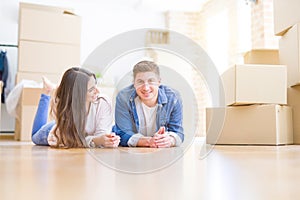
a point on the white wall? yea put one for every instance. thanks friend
(227, 31)
(101, 20)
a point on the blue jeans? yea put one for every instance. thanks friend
(40, 128)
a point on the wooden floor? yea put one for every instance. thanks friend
(226, 172)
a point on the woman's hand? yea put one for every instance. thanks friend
(109, 140)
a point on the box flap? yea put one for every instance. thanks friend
(46, 8)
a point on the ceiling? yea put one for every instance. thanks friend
(138, 5)
(164, 5)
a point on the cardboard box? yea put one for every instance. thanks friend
(293, 95)
(254, 124)
(289, 54)
(37, 77)
(39, 23)
(255, 84)
(23, 5)
(27, 107)
(286, 14)
(47, 57)
(262, 56)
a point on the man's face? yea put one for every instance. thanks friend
(146, 85)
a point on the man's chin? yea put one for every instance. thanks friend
(147, 95)
(146, 98)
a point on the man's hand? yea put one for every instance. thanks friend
(162, 139)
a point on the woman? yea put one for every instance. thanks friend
(82, 117)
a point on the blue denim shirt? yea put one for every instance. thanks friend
(169, 113)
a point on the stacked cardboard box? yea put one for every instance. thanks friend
(266, 124)
(262, 56)
(268, 88)
(27, 107)
(255, 84)
(49, 40)
(49, 43)
(255, 112)
(286, 15)
(287, 25)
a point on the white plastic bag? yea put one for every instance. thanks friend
(13, 97)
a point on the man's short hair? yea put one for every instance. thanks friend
(146, 66)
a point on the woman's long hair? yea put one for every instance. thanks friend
(69, 108)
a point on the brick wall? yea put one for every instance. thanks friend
(187, 23)
(262, 25)
(225, 34)
(225, 29)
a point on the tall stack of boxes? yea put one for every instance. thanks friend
(269, 82)
(256, 111)
(49, 43)
(287, 25)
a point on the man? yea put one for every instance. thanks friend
(147, 113)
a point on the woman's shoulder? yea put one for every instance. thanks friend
(104, 97)
(102, 101)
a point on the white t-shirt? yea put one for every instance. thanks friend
(147, 121)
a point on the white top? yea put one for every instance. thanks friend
(99, 121)
(147, 118)
(147, 122)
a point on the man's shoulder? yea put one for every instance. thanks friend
(126, 92)
(169, 90)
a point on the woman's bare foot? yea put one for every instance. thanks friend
(48, 86)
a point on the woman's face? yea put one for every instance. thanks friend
(92, 90)
(146, 85)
